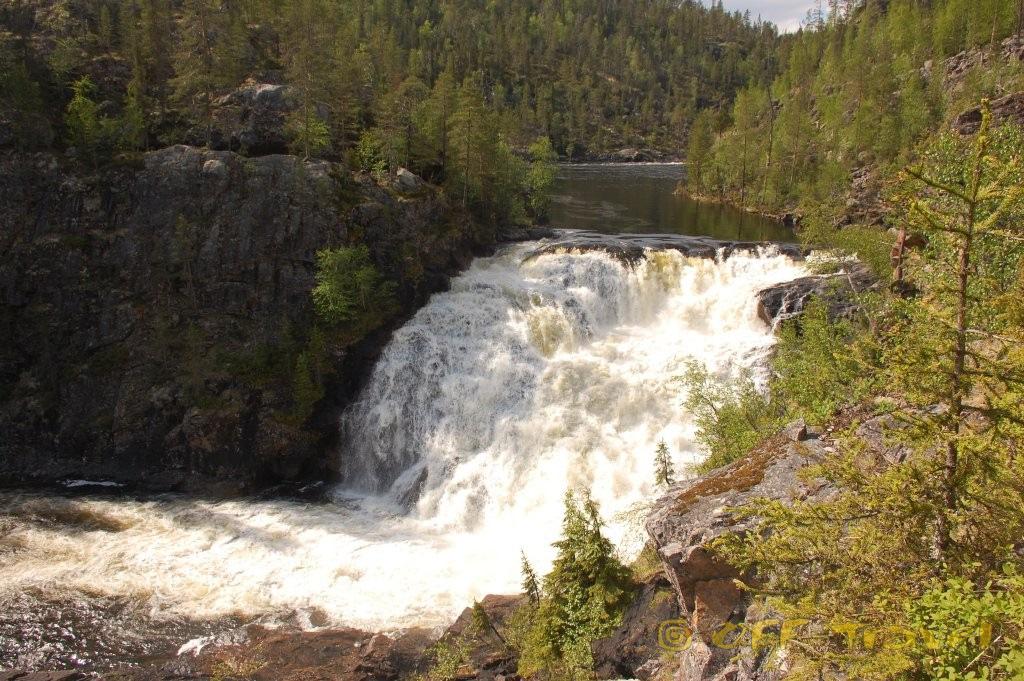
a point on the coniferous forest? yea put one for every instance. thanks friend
(382, 83)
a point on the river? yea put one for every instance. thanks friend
(639, 197)
(532, 375)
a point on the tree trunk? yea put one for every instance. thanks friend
(950, 496)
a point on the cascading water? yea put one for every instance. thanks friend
(531, 376)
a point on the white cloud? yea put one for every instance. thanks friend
(786, 14)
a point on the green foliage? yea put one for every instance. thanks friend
(927, 542)
(82, 119)
(540, 176)
(869, 245)
(978, 627)
(531, 585)
(662, 465)
(350, 291)
(820, 364)
(850, 93)
(590, 77)
(307, 388)
(309, 135)
(584, 596)
(732, 415)
(22, 97)
(698, 149)
(447, 657)
(370, 155)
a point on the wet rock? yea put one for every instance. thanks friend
(788, 299)
(513, 234)
(329, 655)
(632, 248)
(1008, 109)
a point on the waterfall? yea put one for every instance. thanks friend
(533, 374)
(538, 373)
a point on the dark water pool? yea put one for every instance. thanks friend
(637, 198)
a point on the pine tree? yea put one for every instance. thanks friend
(195, 77)
(309, 62)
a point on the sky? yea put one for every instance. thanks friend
(786, 14)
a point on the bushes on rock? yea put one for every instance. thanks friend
(350, 292)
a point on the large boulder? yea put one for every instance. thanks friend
(1008, 109)
(691, 515)
(787, 300)
(251, 120)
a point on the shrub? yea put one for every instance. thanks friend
(731, 415)
(350, 291)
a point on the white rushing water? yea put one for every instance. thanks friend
(531, 376)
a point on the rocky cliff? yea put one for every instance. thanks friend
(152, 312)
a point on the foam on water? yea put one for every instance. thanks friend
(531, 376)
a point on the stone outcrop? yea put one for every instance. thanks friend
(151, 313)
(632, 650)
(693, 514)
(1008, 109)
(631, 248)
(788, 299)
(489, 658)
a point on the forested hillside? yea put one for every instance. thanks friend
(390, 79)
(856, 91)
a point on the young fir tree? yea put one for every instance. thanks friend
(663, 472)
(585, 594)
(82, 120)
(531, 585)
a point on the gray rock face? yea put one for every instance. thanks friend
(690, 516)
(1008, 109)
(148, 314)
(783, 301)
(632, 650)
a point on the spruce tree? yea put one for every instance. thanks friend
(531, 585)
(663, 472)
(585, 594)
